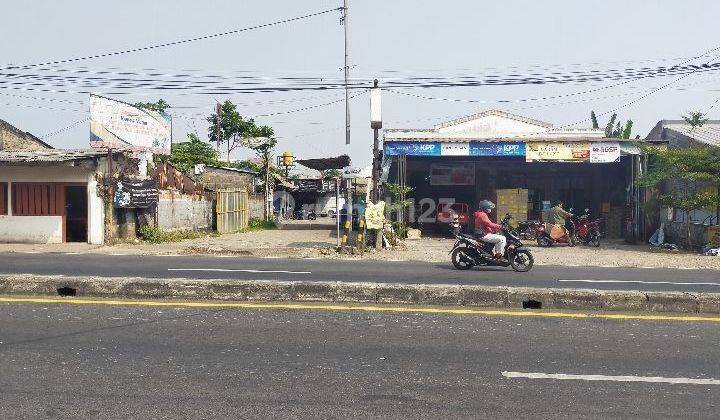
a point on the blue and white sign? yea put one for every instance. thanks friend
(411, 148)
(483, 148)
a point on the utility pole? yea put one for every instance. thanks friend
(376, 125)
(347, 73)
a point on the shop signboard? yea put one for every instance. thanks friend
(411, 148)
(452, 173)
(605, 152)
(485, 148)
(119, 125)
(136, 194)
(455, 149)
(557, 152)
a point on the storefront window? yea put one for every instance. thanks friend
(3, 198)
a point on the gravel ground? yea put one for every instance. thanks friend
(321, 243)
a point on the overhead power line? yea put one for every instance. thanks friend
(173, 43)
(62, 130)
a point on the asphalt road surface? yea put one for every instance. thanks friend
(60, 360)
(210, 267)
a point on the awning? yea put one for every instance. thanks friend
(323, 164)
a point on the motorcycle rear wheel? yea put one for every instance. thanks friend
(522, 261)
(461, 260)
(544, 241)
(595, 240)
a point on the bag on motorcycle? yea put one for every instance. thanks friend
(557, 232)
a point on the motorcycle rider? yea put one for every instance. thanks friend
(556, 218)
(485, 229)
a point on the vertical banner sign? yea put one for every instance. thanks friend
(452, 174)
(557, 152)
(118, 125)
(605, 152)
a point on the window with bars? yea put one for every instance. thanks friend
(35, 199)
(3, 198)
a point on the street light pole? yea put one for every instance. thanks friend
(347, 72)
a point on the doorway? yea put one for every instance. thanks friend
(76, 213)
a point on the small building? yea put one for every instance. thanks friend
(14, 139)
(51, 196)
(520, 163)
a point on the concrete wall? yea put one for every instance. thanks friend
(181, 211)
(31, 229)
(11, 138)
(676, 233)
(257, 206)
(70, 174)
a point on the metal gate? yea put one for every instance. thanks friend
(231, 209)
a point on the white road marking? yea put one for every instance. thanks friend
(72, 253)
(30, 252)
(118, 254)
(644, 282)
(611, 378)
(223, 270)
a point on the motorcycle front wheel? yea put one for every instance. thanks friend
(595, 240)
(543, 240)
(521, 261)
(461, 260)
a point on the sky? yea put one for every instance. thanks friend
(389, 40)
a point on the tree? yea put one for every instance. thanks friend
(160, 106)
(186, 155)
(235, 130)
(614, 129)
(684, 173)
(263, 149)
(695, 119)
(331, 173)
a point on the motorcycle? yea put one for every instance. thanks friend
(469, 251)
(588, 232)
(543, 237)
(528, 229)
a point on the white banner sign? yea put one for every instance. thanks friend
(605, 152)
(455, 149)
(118, 125)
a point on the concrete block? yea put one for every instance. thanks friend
(492, 297)
(624, 301)
(672, 302)
(518, 295)
(356, 292)
(399, 293)
(576, 299)
(709, 303)
(266, 290)
(313, 291)
(442, 295)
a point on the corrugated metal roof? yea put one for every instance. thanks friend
(50, 155)
(708, 133)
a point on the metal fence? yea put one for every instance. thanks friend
(232, 210)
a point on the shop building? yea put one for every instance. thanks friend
(50, 196)
(521, 164)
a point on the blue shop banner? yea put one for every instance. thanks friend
(506, 148)
(411, 148)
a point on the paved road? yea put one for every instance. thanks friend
(209, 267)
(86, 361)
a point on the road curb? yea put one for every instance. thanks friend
(415, 294)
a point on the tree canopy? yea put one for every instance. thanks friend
(236, 130)
(185, 156)
(614, 128)
(160, 106)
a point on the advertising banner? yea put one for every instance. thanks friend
(455, 149)
(411, 148)
(484, 148)
(557, 152)
(452, 174)
(118, 125)
(375, 215)
(136, 194)
(605, 152)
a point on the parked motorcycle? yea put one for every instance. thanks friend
(527, 229)
(588, 233)
(469, 251)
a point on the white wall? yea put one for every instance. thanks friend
(31, 229)
(42, 228)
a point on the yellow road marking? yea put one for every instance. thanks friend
(366, 308)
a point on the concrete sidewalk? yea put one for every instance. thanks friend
(375, 293)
